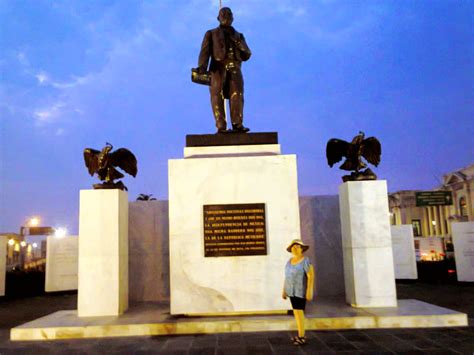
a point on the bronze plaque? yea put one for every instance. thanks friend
(235, 230)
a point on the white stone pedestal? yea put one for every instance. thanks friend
(367, 247)
(230, 175)
(61, 263)
(3, 263)
(103, 253)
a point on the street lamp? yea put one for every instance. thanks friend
(34, 222)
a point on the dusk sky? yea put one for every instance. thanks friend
(77, 74)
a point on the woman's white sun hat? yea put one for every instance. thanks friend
(299, 242)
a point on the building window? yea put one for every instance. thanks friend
(416, 227)
(462, 207)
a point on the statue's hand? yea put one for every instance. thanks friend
(200, 70)
(235, 38)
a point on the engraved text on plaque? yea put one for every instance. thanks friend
(235, 230)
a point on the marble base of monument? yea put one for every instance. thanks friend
(244, 175)
(148, 319)
(403, 247)
(3, 263)
(61, 263)
(367, 246)
(103, 253)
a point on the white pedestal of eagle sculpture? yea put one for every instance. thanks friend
(369, 148)
(104, 162)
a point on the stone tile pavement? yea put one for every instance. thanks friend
(379, 341)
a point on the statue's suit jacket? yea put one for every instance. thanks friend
(213, 45)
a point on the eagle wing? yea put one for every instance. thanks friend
(125, 160)
(91, 159)
(372, 150)
(336, 149)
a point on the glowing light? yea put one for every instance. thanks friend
(60, 232)
(11, 242)
(450, 271)
(433, 223)
(35, 245)
(34, 221)
(23, 244)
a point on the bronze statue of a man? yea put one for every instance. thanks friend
(227, 49)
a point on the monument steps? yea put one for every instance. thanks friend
(145, 319)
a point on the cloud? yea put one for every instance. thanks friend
(48, 114)
(287, 8)
(21, 56)
(45, 79)
(290, 9)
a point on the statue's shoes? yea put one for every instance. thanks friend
(240, 129)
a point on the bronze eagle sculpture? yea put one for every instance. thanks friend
(104, 163)
(368, 148)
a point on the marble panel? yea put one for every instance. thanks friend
(373, 278)
(232, 150)
(230, 284)
(61, 263)
(365, 215)
(321, 230)
(3, 263)
(148, 251)
(103, 253)
(463, 241)
(403, 247)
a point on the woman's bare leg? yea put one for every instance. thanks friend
(299, 317)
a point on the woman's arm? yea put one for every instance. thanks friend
(309, 289)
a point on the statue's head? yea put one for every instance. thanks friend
(108, 147)
(225, 16)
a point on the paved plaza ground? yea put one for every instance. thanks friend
(456, 296)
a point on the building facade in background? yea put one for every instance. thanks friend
(435, 219)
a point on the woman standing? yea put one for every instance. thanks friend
(299, 282)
